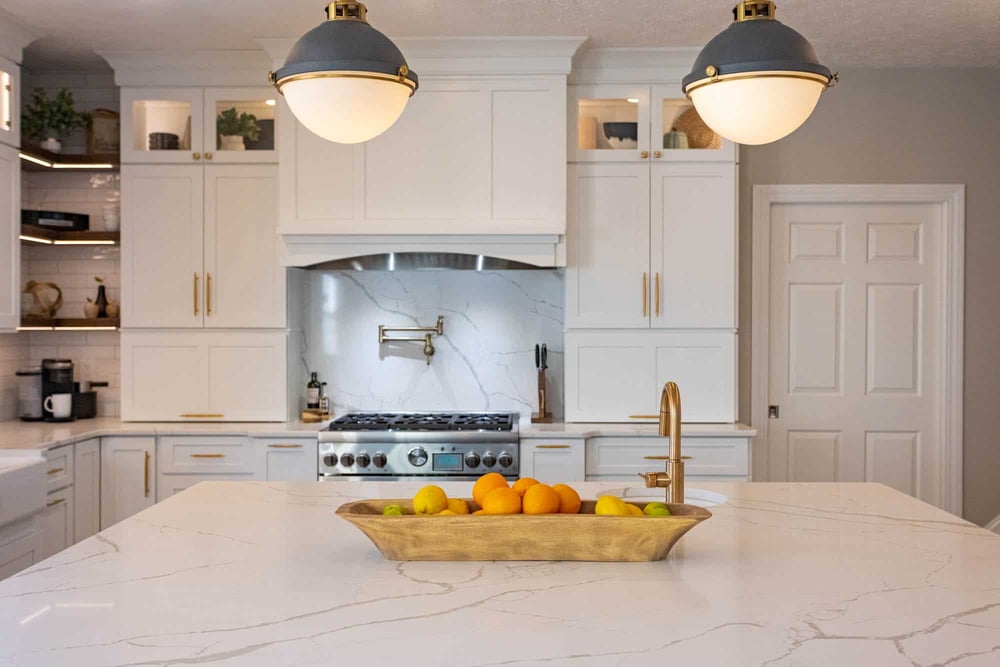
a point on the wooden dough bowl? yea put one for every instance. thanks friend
(584, 536)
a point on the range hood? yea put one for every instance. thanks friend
(423, 261)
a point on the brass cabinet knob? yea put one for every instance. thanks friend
(208, 156)
(644, 155)
(195, 156)
(657, 154)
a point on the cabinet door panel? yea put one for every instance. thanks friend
(162, 276)
(246, 376)
(244, 282)
(551, 461)
(624, 458)
(288, 460)
(86, 489)
(20, 552)
(608, 376)
(128, 478)
(693, 232)
(10, 246)
(56, 522)
(172, 116)
(703, 364)
(170, 485)
(164, 376)
(608, 247)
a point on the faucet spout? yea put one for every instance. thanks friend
(670, 427)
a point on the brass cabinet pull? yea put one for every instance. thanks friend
(208, 293)
(657, 154)
(645, 296)
(195, 156)
(644, 155)
(664, 458)
(196, 294)
(644, 416)
(208, 456)
(657, 293)
(285, 446)
(55, 502)
(146, 476)
(552, 446)
(56, 471)
(208, 156)
(198, 415)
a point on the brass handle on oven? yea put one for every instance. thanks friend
(645, 295)
(146, 477)
(551, 446)
(286, 446)
(55, 471)
(196, 294)
(55, 502)
(656, 293)
(208, 456)
(208, 293)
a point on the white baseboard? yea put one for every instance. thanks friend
(994, 525)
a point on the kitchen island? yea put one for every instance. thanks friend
(264, 573)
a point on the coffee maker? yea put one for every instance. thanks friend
(57, 378)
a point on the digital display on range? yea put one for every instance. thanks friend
(449, 462)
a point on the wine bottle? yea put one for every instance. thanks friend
(312, 393)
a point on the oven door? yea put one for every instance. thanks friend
(429, 479)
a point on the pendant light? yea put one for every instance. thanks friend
(344, 80)
(758, 80)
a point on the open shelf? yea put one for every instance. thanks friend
(46, 236)
(31, 323)
(37, 159)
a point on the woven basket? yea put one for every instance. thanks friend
(699, 135)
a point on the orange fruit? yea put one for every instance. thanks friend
(569, 499)
(458, 506)
(522, 485)
(502, 500)
(540, 499)
(485, 484)
(633, 510)
(480, 512)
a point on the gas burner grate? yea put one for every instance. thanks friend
(415, 421)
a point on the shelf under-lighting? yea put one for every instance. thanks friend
(47, 236)
(78, 162)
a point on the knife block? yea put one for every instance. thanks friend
(543, 416)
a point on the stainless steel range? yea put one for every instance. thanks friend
(451, 446)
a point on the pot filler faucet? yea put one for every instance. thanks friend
(670, 426)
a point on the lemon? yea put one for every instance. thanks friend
(633, 510)
(458, 506)
(392, 510)
(430, 500)
(610, 506)
(648, 509)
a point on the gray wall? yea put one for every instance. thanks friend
(909, 126)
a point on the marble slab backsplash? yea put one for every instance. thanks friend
(484, 360)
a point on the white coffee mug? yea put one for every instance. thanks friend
(60, 405)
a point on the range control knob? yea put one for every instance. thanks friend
(347, 460)
(379, 460)
(505, 460)
(330, 460)
(471, 460)
(417, 456)
(489, 459)
(363, 460)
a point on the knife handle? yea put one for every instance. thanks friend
(538, 356)
(545, 356)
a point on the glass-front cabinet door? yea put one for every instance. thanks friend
(162, 125)
(10, 127)
(679, 134)
(609, 123)
(240, 124)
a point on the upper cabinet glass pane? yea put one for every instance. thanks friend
(244, 125)
(608, 124)
(6, 105)
(161, 125)
(684, 129)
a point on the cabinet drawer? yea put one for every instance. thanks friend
(169, 485)
(552, 461)
(711, 457)
(59, 473)
(213, 454)
(287, 460)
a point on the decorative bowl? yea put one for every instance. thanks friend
(578, 537)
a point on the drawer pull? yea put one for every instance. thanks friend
(285, 446)
(56, 471)
(208, 456)
(664, 458)
(55, 502)
(199, 415)
(552, 446)
(145, 479)
(644, 416)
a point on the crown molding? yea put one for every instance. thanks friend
(189, 68)
(15, 34)
(633, 65)
(465, 56)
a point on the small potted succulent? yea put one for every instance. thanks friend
(233, 127)
(51, 119)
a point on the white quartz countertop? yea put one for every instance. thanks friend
(258, 573)
(637, 429)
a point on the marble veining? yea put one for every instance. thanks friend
(259, 573)
(484, 361)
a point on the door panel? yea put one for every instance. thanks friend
(608, 247)
(854, 357)
(164, 376)
(128, 477)
(86, 489)
(608, 376)
(246, 376)
(162, 276)
(703, 364)
(56, 522)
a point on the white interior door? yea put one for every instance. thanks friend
(855, 327)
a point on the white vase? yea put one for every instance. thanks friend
(51, 144)
(232, 142)
(112, 219)
(90, 310)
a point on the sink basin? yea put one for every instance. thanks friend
(699, 497)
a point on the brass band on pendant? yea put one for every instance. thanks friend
(399, 78)
(808, 76)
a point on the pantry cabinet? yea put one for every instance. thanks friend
(454, 163)
(552, 461)
(200, 248)
(128, 477)
(203, 375)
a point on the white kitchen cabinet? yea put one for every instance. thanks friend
(259, 102)
(20, 546)
(623, 458)
(170, 485)
(10, 104)
(454, 163)
(56, 522)
(186, 455)
(286, 460)
(203, 375)
(200, 249)
(552, 461)
(617, 376)
(128, 477)
(86, 489)
(10, 246)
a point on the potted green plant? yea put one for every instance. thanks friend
(232, 128)
(51, 119)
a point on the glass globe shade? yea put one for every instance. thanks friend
(347, 110)
(759, 110)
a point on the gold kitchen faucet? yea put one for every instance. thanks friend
(670, 426)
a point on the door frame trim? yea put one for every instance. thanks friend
(952, 200)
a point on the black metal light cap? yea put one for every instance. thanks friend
(760, 45)
(346, 46)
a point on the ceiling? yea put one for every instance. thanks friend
(846, 33)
